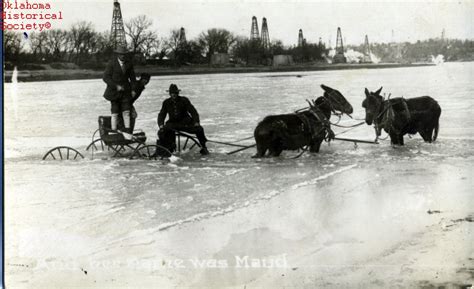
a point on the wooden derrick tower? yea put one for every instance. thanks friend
(254, 35)
(367, 53)
(339, 56)
(265, 35)
(182, 36)
(117, 32)
(300, 38)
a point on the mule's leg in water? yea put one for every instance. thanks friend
(425, 131)
(277, 152)
(394, 138)
(276, 148)
(315, 146)
(400, 139)
(429, 134)
(423, 135)
(261, 150)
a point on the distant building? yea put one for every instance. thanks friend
(220, 59)
(282, 60)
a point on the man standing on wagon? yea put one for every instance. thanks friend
(182, 116)
(119, 76)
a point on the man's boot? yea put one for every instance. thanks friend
(204, 151)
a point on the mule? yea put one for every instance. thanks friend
(311, 127)
(400, 116)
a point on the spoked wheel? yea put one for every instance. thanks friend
(188, 140)
(96, 145)
(150, 152)
(63, 153)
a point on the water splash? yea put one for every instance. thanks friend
(353, 56)
(330, 55)
(438, 59)
(374, 58)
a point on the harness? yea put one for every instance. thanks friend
(308, 124)
(386, 118)
(309, 127)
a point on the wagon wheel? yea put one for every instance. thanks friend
(63, 153)
(94, 145)
(120, 150)
(194, 141)
(148, 152)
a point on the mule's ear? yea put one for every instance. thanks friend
(379, 91)
(367, 93)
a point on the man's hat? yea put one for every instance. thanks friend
(121, 50)
(173, 88)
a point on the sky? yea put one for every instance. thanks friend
(382, 21)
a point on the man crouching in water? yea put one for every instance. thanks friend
(182, 116)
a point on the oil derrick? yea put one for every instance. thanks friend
(367, 54)
(254, 31)
(339, 56)
(300, 38)
(117, 32)
(265, 35)
(182, 36)
(396, 50)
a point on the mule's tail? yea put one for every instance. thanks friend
(436, 130)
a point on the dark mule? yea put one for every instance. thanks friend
(399, 116)
(276, 133)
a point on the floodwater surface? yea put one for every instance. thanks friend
(57, 209)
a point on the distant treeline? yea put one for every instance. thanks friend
(422, 51)
(82, 46)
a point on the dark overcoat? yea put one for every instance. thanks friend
(114, 75)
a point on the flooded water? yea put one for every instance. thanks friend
(102, 199)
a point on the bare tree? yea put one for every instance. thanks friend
(139, 33)
(38, 43)
(173, 42)
(163, 48)
(82, 39)
(152, 47)
(12, 44)
(105, 44)
(216, 40)
(56, 41)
